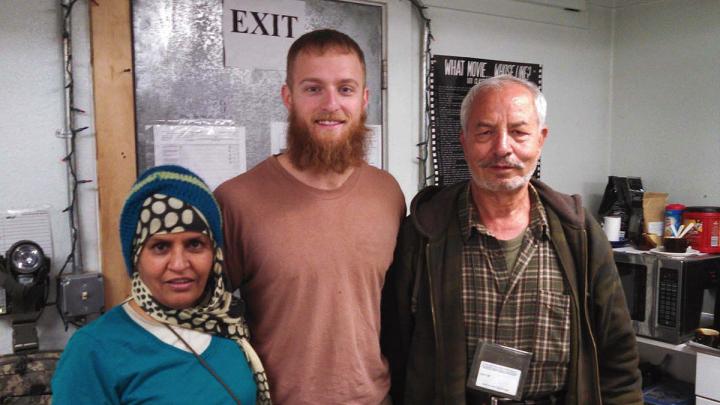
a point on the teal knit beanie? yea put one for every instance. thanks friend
(172, 181)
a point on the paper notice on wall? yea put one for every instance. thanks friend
(374, 151)
(278, 138)
(215, 153)
(258, 33)
(29, 224)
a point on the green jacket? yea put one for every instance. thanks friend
(423, 333)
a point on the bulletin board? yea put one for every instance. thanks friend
(186, 93)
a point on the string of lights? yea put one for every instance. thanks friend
(71, 132)
(425, 135)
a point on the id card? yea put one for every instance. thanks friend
(499, 370)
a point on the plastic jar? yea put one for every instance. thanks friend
(673, 218)
(706, 235)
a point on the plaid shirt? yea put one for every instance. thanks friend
(526, 307)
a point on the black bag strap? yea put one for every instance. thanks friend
(205, 364)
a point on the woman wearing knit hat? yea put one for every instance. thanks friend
(180, 337)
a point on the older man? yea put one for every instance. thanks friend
(504, 280)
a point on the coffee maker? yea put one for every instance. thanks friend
(623, 197)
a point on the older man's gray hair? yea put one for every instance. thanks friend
(498, 82)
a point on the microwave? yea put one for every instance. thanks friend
(669, 297)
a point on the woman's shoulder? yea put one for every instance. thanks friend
(114, 318)
(111, 326)
(92, 349)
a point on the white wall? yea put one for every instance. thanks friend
(403, 94)
(31, 111)
(666, 92)
(576, 74)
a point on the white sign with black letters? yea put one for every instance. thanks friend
(498, 378)
(258, 33)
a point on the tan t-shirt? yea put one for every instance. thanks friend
(311, 265)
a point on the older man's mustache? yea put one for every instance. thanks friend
(502, 161)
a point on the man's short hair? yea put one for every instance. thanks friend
(498, 82)
(319, 42)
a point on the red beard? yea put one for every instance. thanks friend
(307, 152)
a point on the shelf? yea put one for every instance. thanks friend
(681, 348)
(679, 360)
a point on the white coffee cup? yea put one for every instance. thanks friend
(611, 225)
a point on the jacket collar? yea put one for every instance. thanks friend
(470, 218)
(434, 207)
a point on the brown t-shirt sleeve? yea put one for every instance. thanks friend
(232, 247)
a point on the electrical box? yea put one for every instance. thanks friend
(80, 294)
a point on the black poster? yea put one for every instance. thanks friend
(451, 78)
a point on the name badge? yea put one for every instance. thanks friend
(499, 370)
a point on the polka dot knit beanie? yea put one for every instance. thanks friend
(174, 182)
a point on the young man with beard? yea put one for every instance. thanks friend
(501, 260)
(311, 232)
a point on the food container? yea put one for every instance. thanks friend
(705, 237)
(673, 218)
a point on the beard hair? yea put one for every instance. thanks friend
(505, 184)
(307, 152)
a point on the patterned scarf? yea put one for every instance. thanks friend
(217, 313)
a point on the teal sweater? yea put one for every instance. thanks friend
(115, 361)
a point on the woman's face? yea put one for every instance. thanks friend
(175, 267)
